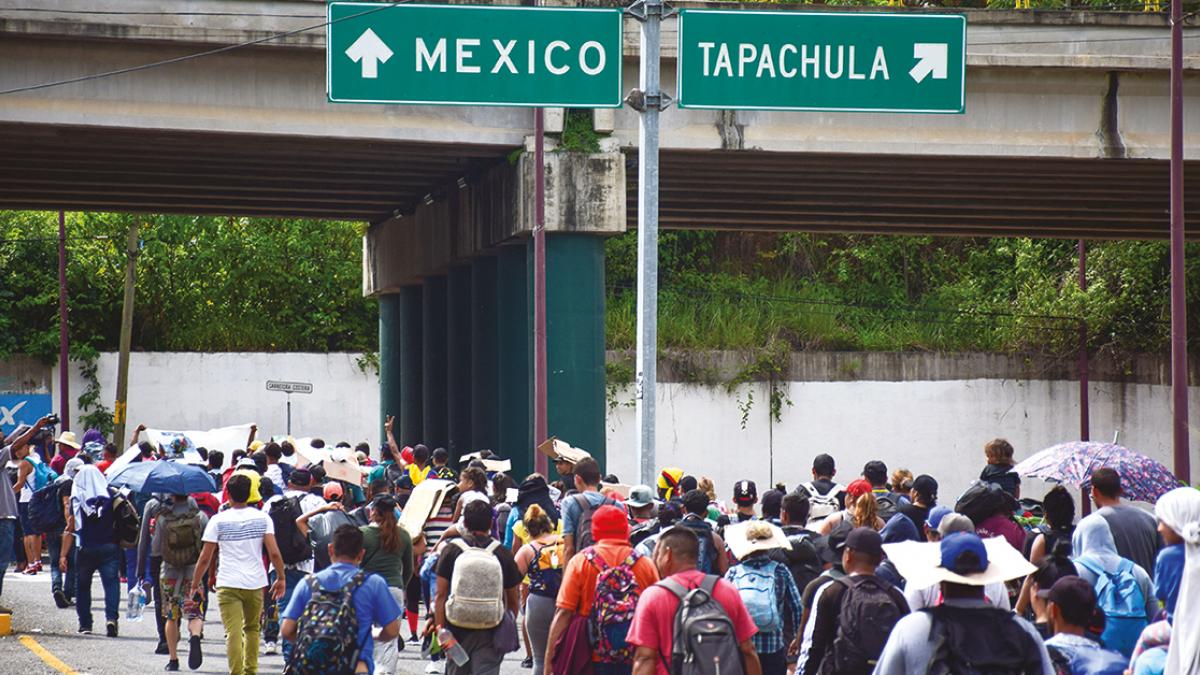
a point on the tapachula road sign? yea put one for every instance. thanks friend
(823, 61)
(474, 55)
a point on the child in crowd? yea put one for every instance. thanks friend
(999, 469)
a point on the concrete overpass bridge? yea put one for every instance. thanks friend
(1065, 134)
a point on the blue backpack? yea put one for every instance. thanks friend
(43, 475)
(756, 586)
(1120, 597)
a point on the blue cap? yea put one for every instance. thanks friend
(964, 553)
(935, 516)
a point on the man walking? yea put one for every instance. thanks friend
(239, 535)
(1134, 531)
(577, 509)
(1072, 603)
(179, 526)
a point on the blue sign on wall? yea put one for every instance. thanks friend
(22, 409)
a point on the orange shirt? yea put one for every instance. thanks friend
(578, 589)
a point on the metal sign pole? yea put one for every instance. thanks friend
(648, 100)
(1179, 369)
(289, 413)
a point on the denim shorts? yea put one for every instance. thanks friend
(26, 525)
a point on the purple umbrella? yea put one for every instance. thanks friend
(1142, 478)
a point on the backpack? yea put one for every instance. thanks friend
(981, 500)
(706, 561)
(583, 526)
(46, 509)
(293, 546)
(1120, 597)
(321, 530)
(705, 642)
(326, 642)
(500, 514)
(545, 572)
(866, 618)
(43, 475)
(617, 594)
(127, 526)
(800, 556)
(980, 641)
(180, 536)
(1086, 661)
(888, 505)
(821, 506)
(476, 587)
(756, 586)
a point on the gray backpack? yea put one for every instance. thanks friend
(476, 587)
(705, 642)
(583, 526)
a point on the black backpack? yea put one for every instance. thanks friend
(869, 611)
(800, 556)
(982, 500)
(980, 641)
(705, 642)
(293, 546)
(46, 509)
(583, 526)
(127, 526)
(887, 505)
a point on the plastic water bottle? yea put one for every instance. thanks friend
(451, 647)
(136, 604)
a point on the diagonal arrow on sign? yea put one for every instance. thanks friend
(370, 51)
(932, 59)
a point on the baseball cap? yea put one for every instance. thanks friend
(935, 516)
(1075, 597)
(772, 501)
(926, 486)
(333, 491)
(830, 547)
(745, 492)
(639, 496)
(952, 523)
(865, 540)
(875, 471)
(964, 553)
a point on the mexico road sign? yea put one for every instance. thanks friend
(852, 61)
(474, 55)
(290, 387)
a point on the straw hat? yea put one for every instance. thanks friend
(68, 438)
(753, 535)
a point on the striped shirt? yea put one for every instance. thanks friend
(238, 534)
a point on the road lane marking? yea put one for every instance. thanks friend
(45, 655)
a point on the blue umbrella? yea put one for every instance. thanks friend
(164, 477)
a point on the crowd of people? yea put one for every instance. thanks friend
(585, 574)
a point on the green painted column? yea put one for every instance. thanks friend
(575, 341)
(409, 429)
(434, 431)
(514, 349)
(485, 355)
(390, 375)
(458, 361)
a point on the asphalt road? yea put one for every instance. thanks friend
(53, 630)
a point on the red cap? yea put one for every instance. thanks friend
(858, 488)
(407, 455)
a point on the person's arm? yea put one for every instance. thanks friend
(439, 604)
(144, 537)
(23, 474)
(280, 585)
(250, 439)
(721, 565)
(513, 598)
(406, 557)
(831, 521)
(568, 548)
(645, 661)
(569, 512)
(68, 537)
(23, 440)
(133, 440)
(792, 604)
(523, 559)
(558, 626)
(750, 658)
(287, 630)
(386, 634)
(393, 446)
(302, 521)
(206, 558)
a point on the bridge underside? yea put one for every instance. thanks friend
(52, 167)
(927, 195)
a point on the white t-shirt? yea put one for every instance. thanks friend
(239, 535)
(276, 475)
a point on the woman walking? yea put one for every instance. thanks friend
(388, 552)
(541, 561)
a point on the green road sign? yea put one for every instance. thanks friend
(474, 55)
(854, 62)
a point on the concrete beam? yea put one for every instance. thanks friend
(584, 194)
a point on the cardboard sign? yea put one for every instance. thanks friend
(619, 488)
(558, 450)
(425, 500)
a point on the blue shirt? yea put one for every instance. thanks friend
(1168, 573)
(513, 517)
(373, 603)
(571, 511)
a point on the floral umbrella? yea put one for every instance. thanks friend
(1142, 479)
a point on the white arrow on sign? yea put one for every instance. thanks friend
(932, 59)
(371, 51)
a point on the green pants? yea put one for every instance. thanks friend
(241, 610)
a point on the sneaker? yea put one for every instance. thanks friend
(60, 599)
(195, 655)
(414, 639)
(399, 644)
(172, 666)
(110, 629)
(84, 630)
(32, 570)
(433, 668)
(5, 610)
(162, 649)
(271, 648)
(527, 662)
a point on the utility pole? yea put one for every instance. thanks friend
(64, 394)
(1179, 368)
(119, 410)
(541, 424)
(648, 100)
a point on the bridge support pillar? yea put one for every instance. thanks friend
(390, 374)
(514, 346)
(458, 361)
(434, 431)
(485, 355)
(410, 422)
